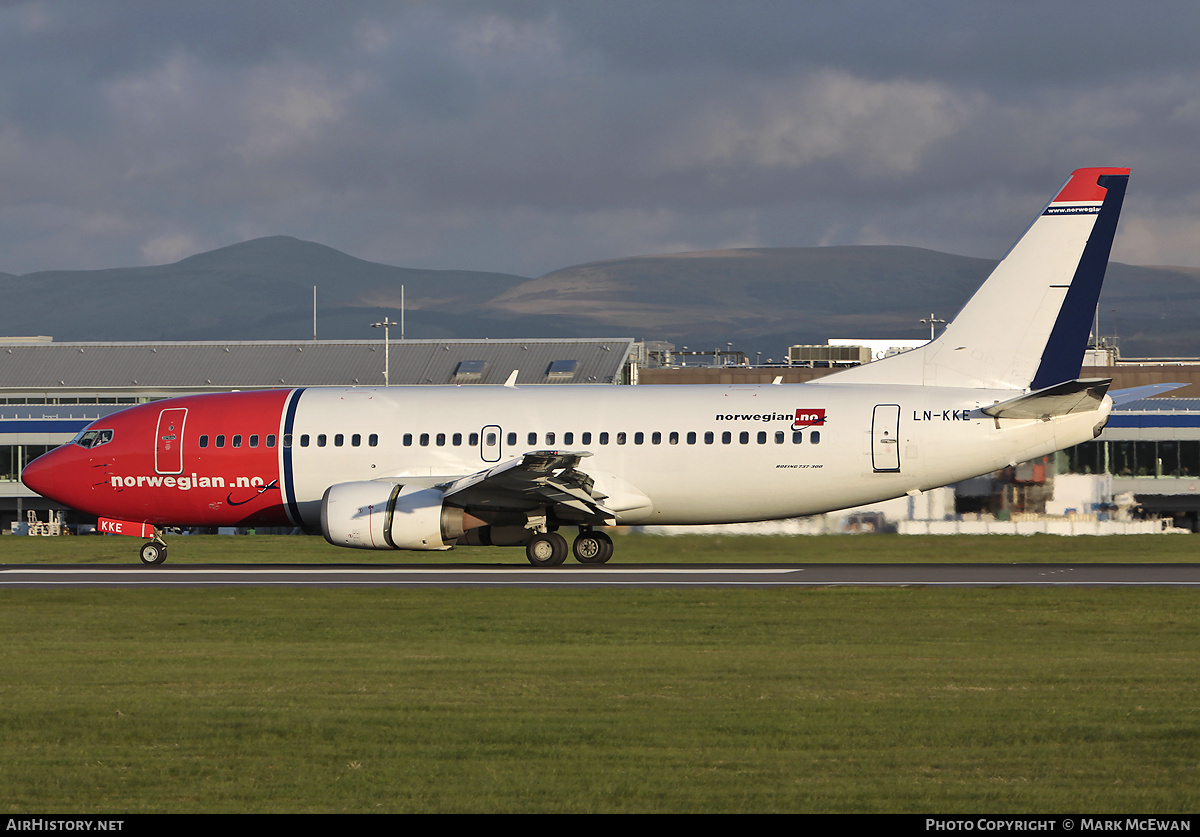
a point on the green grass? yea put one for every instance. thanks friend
(632, 547)
(703, 700)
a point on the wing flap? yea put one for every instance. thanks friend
(542, 477)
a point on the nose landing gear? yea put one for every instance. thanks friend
(154, 552)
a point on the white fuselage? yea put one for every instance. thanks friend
(674, 454)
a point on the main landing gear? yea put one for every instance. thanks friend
(549, 549)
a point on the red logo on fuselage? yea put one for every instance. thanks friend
(809, 418)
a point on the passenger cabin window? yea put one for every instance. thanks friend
(203, 441)
(373, 440)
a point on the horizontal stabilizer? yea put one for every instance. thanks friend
(1128, 396)
(1080, 396)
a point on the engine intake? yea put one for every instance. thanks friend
(379, 515)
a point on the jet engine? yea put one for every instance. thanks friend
(380, 515)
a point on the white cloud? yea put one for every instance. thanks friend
(169, 248)
(879, 127)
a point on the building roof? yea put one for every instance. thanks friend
(225, 365)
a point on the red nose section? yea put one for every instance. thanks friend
(39, 475)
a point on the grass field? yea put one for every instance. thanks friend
(708, 700)
(633, 548)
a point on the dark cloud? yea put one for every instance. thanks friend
(526, 136)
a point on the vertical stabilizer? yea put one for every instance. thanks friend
(1027, 326)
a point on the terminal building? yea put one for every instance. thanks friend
(1145, 463)
(50, 391)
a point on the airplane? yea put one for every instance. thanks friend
(434, 467)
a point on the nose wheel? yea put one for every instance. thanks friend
(154, 552)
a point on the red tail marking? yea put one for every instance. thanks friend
(1083, 188)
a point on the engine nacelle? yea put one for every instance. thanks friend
(380, 515)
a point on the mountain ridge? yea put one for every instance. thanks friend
(760, 299)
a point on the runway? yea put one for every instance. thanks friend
(43, 576)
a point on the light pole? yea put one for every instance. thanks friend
(386, 354)
(932, 321)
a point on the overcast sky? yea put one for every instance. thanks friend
(526, 136)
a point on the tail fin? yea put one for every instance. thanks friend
(1027, 325)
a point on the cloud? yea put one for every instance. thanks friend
(524, 136)
(167, 249)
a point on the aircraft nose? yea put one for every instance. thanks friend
(39, 475)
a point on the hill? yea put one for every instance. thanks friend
(761, 300)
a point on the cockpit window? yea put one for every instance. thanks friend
(93, 438)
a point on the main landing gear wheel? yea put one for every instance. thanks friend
(547, 550)
(592, 548)
(153, 552)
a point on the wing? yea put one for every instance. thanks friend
(539, 478)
